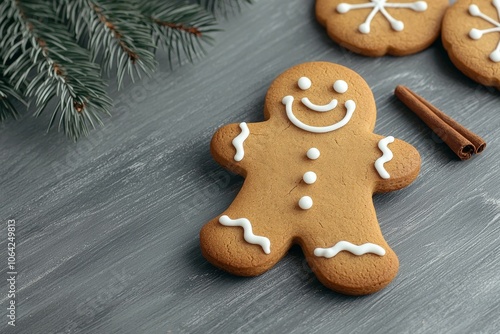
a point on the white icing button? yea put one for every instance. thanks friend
(304, 83)
(310, 177)
(313, 153)
(340, 86)
(305, 203)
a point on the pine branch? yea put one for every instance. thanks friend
(7, 90)
(178, 27)
(223, 7)
(114, 31)
(44, 56)
(39, 45)
(6, 93)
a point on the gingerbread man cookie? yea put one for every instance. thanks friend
(471, 35)
(379, 27)
(310, 172)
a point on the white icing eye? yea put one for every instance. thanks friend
(419, 6)
(475, 33)
(340, 86)
(343, 8)
(495, 56)
(304, 83)
(474, 10)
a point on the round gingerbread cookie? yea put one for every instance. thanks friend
(471, 35)
(380, 27)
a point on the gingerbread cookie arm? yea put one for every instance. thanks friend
(397, 166)
(231, 146)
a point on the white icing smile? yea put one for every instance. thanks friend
(327, 107)
(288, 102)
(304, 83)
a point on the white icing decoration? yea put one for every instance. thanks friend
(352, 248)
(248, 235)
(324, 108)
(304, 83)
(386, 157)
(380, 6)
(305, 203)
(313, 153)
(340, 86)
(239, 140)
(309, 177)
(288, 102)
(477, 34)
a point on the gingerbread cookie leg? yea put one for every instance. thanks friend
(355, 260)
(245, 244)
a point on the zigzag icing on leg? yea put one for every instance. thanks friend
(248, 235)
(352, 248)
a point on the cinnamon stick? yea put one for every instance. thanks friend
(460, 139)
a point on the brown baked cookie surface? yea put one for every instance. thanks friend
(311, 169)
(471, 35)
(380, 27)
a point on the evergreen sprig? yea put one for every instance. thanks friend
(179, 28)
(7, 92)
(112, 31)
(61, 68)
(222, 7)
(49, 50)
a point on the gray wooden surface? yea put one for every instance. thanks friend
(108, 227)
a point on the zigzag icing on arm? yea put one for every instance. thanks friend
(351, 248)
(386, 157)
(239, 140)
(248, 235)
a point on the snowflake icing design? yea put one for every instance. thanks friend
(477, 34)
(380, 6)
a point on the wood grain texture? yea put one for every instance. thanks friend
(108, 228)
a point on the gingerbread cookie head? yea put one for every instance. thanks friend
(321, 97)
(379, 27)
(310, 170)
(471, 35)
